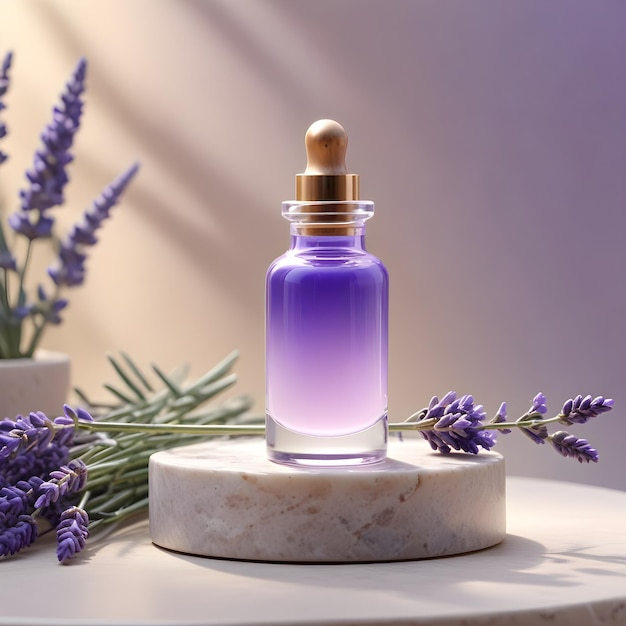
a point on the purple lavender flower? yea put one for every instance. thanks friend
(34, 464)
(48, 175)
(578, 410)
(18, 536)
(500, 417)
(458, 426)
(436, 407)
(65, 480)
(17, 528)
(70, 415)
(33, 432)
(51, 309)
(72, 533)
(52, 313)
(39, 227)
(571, 446)
(18, 501)
(7, 261)
(15, 500)
(52, 513)
(537, 432)
(20, 312)
(538, 405)
(4, 87)
(71, 269)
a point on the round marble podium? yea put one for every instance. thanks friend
(226, 499)
(562, 562)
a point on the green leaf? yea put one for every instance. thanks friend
(118, 393)
(218, 371)
(220, 414)
(138, 373)
(148, 413)
(168, 382)
(212, 389)
(122, 374)
(82, 396)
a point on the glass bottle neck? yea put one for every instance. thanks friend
(354, 241)
(328, 224)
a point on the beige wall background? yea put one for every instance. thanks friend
(491, 135)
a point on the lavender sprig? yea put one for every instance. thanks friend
(68, 479)
(35, 433)
(449, 423)
(4, 87)
(532, 423)
(71, 532)
(18, 528)
(48, 175)
(7, 260)
(71, 268)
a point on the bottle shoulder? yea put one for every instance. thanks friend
(354, 270)
(327, 260)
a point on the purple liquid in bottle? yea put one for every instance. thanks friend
(327, 337)
(326, 351)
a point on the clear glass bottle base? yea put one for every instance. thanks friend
(291, 448)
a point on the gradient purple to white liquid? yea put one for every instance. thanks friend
(326, 337)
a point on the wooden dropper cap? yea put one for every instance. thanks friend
(326, 177)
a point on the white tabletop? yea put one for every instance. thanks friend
(563, 561)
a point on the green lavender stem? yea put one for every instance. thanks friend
(218, 430)
(248, 430)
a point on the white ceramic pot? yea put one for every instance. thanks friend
(38, 384)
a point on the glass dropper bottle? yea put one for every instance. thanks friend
(326, 320)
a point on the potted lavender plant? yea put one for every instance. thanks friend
(31, 378)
